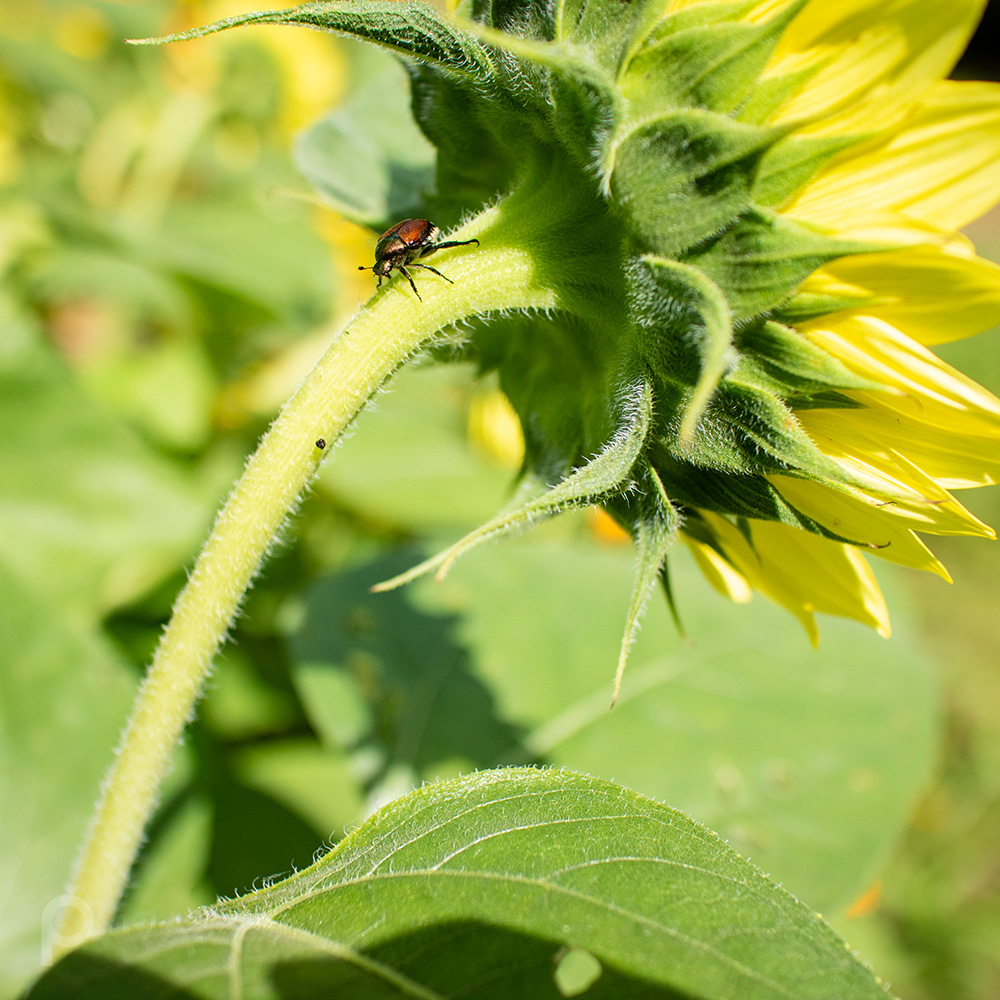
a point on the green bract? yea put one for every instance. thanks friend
(623, 149)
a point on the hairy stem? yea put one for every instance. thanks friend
(497, 275)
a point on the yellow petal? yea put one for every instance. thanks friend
(853, 439)
(955, 462)
(741, 555)
(942, 166)
(863, 520)
(804, 573)
(902, 231)
(871, 56)
(719, 573)
(929, 392)
(933, 295)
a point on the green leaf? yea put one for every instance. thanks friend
(367, 158)
(481, 880)
(409, 28)
(684, 176)
(230, 244)
(65, 696)
(390, 682)
(236, 813)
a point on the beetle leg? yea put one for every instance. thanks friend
(450, 243)
(410, 279)
(427, 267)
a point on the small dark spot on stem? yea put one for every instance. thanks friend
(321, 443)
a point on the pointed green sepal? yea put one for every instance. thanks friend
(613, 31)
(527, 18)
(791, 163)
(582, 100)
(668, 593)
(684, 176)
(770, 94)
(606, 473)
(740, 498)
(805, 306)
(681, 316)
(760, 261)
(655, 523)
(408, 28)
(768, 434)
(700, 14)
(792, 363)
(709, 66)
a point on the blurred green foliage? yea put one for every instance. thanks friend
(162, 290)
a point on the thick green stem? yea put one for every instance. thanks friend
(497, 275)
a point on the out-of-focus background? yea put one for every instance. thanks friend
(165, 280)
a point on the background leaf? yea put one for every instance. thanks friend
(472, 887)
(367, 158)
(411, 466)
(806, 761)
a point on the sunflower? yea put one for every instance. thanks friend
(788, 179)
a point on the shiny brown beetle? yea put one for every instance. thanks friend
(406, 243)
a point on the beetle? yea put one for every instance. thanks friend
(405, 243)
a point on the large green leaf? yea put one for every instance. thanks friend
(476, 887)
(806, 760)
(64, 696)
(259, 256)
